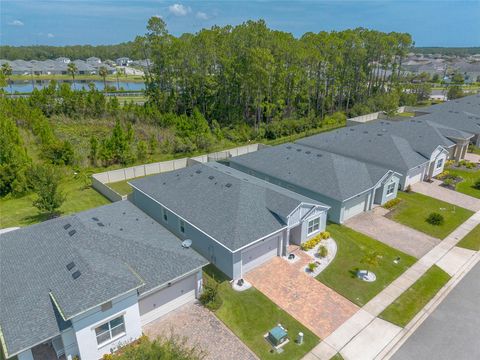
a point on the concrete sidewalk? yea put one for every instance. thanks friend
(364, 336)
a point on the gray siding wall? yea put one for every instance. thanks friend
(206, 246)
(334, 214)
(381, 193)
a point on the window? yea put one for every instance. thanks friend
(390, 188)
(182, 226)
(165, 216)
(110, 330)
(439, 163)
(313, 225)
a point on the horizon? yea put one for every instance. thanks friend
(50, 22)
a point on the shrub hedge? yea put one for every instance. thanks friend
(310, 244)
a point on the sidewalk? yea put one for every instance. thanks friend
(364, 336)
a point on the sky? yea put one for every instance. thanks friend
(70, 22)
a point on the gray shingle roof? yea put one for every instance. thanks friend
(457, 119)
(360, 143)
(232, 207)
(469, 104)
(332, 175)
(113, 259)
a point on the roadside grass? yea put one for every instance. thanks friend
(337, 356)
(341, 276)
(472, 240)
(407, 305)
(469, 178)
(414, 209)
(250, 315)
(21, 212)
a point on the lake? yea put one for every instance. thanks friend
(26, 86)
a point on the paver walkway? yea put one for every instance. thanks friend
(396, 235)
(201, 328)
(315, 305)
(436, 191)
(355, 337)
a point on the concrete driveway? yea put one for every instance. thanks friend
(436, 191)
(201, 329)
(398, 236)
(315, 305)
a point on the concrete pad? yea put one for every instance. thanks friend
(403, 282)
(455, 259)
(323, 351)
(379, 303)
(340, 337)
(371, 341)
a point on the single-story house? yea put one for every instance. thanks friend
(123, 61)
(235, 220)
(347, 185)
(382, 149)
(88, 282)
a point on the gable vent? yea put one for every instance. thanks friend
(72, 232)
(76, 275)
(66, 226)
(70, 266)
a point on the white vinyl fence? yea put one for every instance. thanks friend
(100, 180)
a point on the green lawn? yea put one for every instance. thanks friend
(415, 208)
(407, 305)
(469, 178)
(340, 275)
(250, 314)
(472, 240)
(406, 114)
(337, 356)
(121, 187)
(21, 212)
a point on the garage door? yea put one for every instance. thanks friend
(259, 253)
(163, 301)
(354, 207)
(414, 177)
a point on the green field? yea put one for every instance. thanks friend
(407, 305)
(341, 276)
(415, 208)
(472, 240)
(250, 315)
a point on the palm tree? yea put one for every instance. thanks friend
(7, 71)
(103, 72)
(72, 70)
(120, 71)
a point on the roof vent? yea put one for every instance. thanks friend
(100, 224)
(211, 177)
(289, 147)
(228, 185)
(319, 155)
(66, 226)
(164, 183)
(352, 129)
(198, 171)
(94, 218)
(186, 243)
(70, 266)
(299, 150)
(379, 134)
(365, 132)
(76, 275)
(72, 232)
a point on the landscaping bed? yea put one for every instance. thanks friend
(469, 177)
(415, 208)
(472, 240)
(341, 274)
(250, 315)
(407, 305)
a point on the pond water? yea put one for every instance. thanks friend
(25, 86)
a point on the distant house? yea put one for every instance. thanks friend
(94, 60)
(235, 220)
(87, 283)
(64, 60)
(347, 185)
(123, 61)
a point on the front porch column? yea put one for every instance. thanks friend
(464, 151)
(25, 355)
(286, 242)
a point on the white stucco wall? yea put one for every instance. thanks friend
(84, 326)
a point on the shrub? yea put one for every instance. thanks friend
(476, 184)
(310, 244)
(408, 189)
(322, 251)
(391, 203)
(470, 165)
(443, 175)
(325, 235)
(312, 266)
(210, 297)
(435, 219)
(449, 182)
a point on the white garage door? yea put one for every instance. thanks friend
(163, 301)
(414, 177)
(354, 207)
(259, 253)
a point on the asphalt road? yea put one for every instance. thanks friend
(452, 331)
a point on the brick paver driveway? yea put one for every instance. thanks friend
(201, 329)
(313, 304)
(434, 190)
(396, 235)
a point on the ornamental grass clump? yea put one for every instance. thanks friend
(435, 219)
